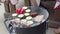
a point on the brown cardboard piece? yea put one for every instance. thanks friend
(9, 7)
(34, 3)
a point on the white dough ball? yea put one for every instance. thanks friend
(38, 18)
(28, 18)
(28, 10)
(21, 15)
(17, 20)
(23, 21)
(14, 14)
(30, 22)
(26, 14)
(24, 7)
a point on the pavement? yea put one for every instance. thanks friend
(3, 29)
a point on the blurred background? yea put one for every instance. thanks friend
(6, 8)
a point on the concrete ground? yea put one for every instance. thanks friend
(50, 31)
(3, 29)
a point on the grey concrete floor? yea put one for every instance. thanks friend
(3, 29)
(50, 31)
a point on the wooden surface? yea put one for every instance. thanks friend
(57, 15)
(34, 3)
(3, 29)
(47, 0)
(9, 7)
(26, 2)
(31, 2)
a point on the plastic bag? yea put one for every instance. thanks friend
(57, 5)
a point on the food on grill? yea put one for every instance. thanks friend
(14, 14)
(29, 23)
(28, 18)
(26, 14)
(28, 10)
(24, 7)
(20, 11)
(33, 14)
(23, 21)
(39, 18)
(17, 20)
(21, 15)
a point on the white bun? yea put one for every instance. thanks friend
(30, 22)
(21, 15)
(28, 10)
(14, 14)
(28, 18)
(39, 18)
(23, 21)
(24, 7)
(17, 20)
(26, 14)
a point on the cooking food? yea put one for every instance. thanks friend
(38, 18)
(33, 14)
(28, 10)
(21, 15)
(26, 14)
(29, 23)
(28, 18)
(24, 7)
(17, 20)
(20, 11)
(23, 21)
(14, 14)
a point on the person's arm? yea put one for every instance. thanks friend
(33, 3)
(38, 2)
